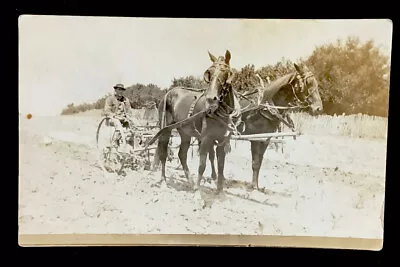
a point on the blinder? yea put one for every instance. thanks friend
(301, 82)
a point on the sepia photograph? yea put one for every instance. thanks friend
(184, 131)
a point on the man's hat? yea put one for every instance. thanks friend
(119, 85)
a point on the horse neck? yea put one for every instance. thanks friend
(278, 85)
(280, 90)
(284, 96)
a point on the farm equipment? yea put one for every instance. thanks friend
(110, 157)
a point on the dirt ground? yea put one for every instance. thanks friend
(319, 186)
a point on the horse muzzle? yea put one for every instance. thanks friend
(211, 106)
(316, 110)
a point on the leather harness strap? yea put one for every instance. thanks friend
(192, 106)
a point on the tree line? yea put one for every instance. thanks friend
(353, 78)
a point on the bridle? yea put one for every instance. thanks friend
(300, 82)
(224, 112)
(220, 67)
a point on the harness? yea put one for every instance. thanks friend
(270, 111)
(190, 113)
(219, 114)
(300, 84)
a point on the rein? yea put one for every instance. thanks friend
(225, 113)
(259, 107)
(300, 104)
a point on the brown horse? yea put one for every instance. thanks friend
(294, 91)
(218, 107)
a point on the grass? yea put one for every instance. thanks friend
(357, 125)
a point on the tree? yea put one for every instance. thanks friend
(139, 94)
(281, 68)
(246, 79)
(189, 81)
(353, 77)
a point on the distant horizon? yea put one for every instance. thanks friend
(67, 59)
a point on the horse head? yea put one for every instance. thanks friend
(305, 89)
(219, 77)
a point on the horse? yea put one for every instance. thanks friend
(215, 110)
(297, 90)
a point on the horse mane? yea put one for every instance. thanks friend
(274, 86)
(236, 102)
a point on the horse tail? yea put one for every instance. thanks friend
(163, 110)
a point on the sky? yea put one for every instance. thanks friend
(71, 59)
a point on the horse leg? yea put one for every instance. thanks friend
(221, 164)
(204, 148)
(257, 154)
(156, 160)
(182, 154)
(162, 149)
(211, 156)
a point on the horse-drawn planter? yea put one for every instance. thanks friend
(112, 156)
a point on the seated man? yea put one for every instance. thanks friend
(118, 109)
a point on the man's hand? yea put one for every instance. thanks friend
(106, 114)
(118, 117)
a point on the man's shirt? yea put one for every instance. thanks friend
(113, 106)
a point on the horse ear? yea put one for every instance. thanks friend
(297, 68)
(212, 57)
(231, 78)
(227, 57)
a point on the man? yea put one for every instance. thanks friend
(118, 108)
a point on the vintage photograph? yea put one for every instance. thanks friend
(269, 132)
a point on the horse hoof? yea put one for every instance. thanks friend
(219, 192)
(163, 185)
(155, 185)
(262, 190)
(250, 187)
(192, 185)
(219, 189)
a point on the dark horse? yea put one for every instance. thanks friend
(297, 90)
(217, 106)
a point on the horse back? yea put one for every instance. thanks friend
(180, 102)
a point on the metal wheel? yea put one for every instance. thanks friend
(109, 159)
